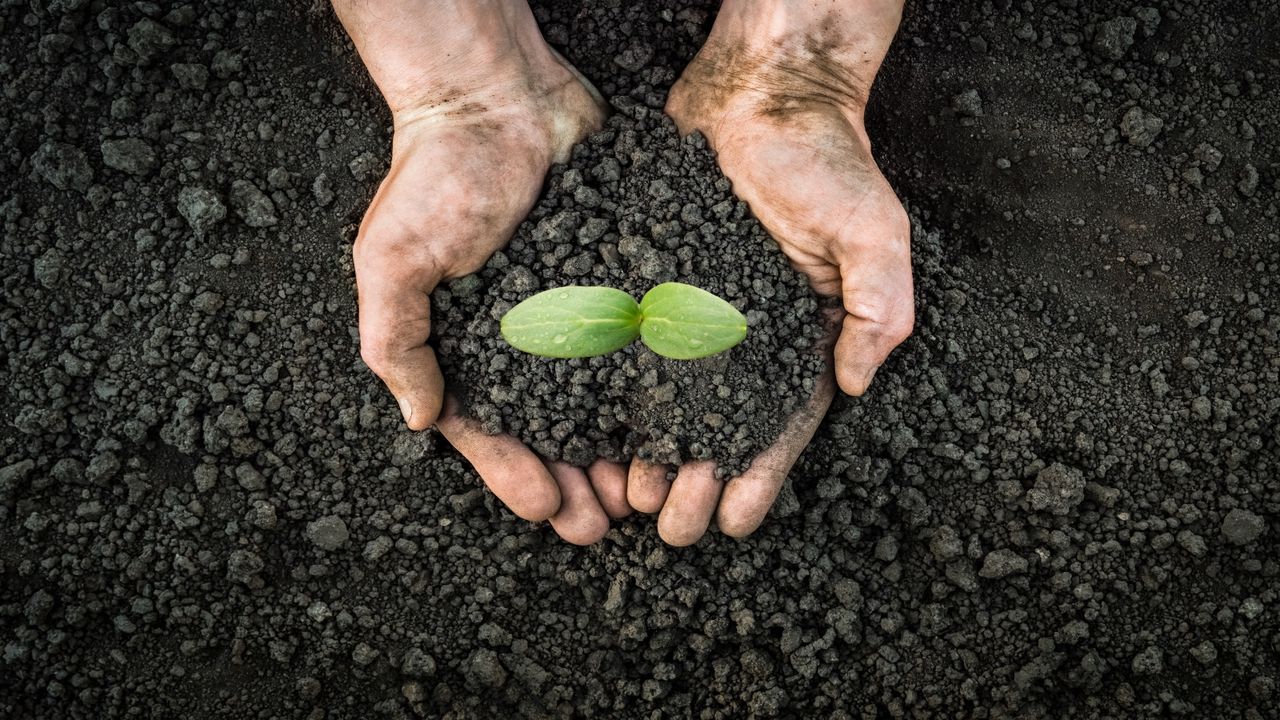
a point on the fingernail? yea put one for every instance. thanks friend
(406, 408)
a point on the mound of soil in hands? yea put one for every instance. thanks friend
(1060, 498)
(635, 207)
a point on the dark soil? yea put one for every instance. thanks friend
(636, 207)
(1061, 497)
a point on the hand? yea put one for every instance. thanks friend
(481, 107)
(685, 505)
(779, 91)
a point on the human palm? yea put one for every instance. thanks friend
(463, 175)
(809, 177)
(797, 153)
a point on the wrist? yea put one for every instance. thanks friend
(825, 50)
(436, 53)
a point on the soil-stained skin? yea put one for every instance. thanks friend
(1060, 497)
(785, 73)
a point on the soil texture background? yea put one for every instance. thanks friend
(1060, 498)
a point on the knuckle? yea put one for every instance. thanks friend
(874, 312)
(369, 241)
(381, 248)
(901, 221)
(371, 257)
(890, 321)
(900, 327)
(376, 354)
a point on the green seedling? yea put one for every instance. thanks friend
(683, 322)
(675, 320)
(573, 322)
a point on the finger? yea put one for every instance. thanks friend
(395, 322)
(748, 497)
(580, 519)
(690, 504)
(609, 480)
(862, 348)
(647, 486)
(876, 289)
(510, 470)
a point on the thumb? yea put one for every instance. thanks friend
(876, 290)
(395, 322)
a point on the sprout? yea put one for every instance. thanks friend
(571, 322)
(675, 320)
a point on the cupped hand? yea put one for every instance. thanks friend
(783, 109)
(687, 504)
(465, 171)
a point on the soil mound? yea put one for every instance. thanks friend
(637, 206)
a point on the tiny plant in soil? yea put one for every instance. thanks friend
(675, 320)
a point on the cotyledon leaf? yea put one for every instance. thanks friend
(683, 322)
(573, 321)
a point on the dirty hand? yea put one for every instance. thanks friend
(482, 107)
(779, 91)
